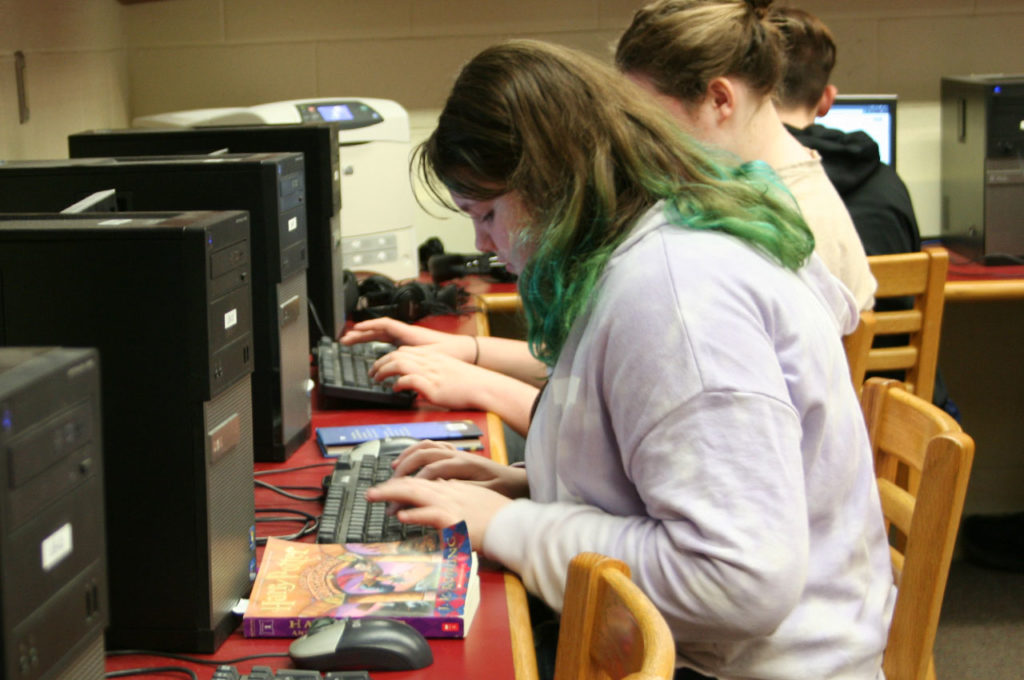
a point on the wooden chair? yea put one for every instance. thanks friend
(922, 462)
(857, 345)
(922, 276)
(609, 628)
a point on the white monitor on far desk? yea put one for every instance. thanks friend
(874, 114)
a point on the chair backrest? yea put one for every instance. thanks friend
(857, 345)
(922, 462)
(609, 627)
(922, 277)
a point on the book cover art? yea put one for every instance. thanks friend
(334, 441)
(429, 582)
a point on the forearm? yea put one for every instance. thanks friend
(507, 397)
(511, 357)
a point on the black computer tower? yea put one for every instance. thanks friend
(267, 185)
(53, 578)
(166, 301)
(318, 144)
(982, 123)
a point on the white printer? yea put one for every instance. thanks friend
(377, 203)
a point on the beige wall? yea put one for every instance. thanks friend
(76, 73)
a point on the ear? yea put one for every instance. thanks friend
(828, 97)
(721, 96)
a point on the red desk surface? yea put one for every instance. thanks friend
(969, 281)
(499, 640)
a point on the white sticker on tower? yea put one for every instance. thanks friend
(56, 547)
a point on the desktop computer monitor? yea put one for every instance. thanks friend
(318, 143)
(52, 547)
(165, 299)
(270, 187)
(873, 114)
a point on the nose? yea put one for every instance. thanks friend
(484, 244)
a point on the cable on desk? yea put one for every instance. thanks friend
(129, 672)
(260, 473)
(311, 523)
(295, 497)
(193, 659)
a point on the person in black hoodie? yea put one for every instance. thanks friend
(883, 215)
(875, 196)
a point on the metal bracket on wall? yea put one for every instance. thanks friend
(19, 77)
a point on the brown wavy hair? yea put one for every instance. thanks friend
(810, 57)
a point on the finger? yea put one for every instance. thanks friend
(415, 458)
(354, 336)
(421, 446)
(387, 366)
(422, 385)
(465, 467)
(402, 490)
(432, 516)
(396, 362)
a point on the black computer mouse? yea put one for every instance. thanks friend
(372, 644)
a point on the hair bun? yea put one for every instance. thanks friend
(760, 7)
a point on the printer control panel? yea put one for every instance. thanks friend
(348, 114)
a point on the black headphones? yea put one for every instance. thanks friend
(445, 266)
(409, 301)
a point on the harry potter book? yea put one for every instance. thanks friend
(429, 582)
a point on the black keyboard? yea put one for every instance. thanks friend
(226, 672)
(347, 516)
(342, 374)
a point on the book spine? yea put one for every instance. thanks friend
(292, 627)
(437, 626)
(271, 627)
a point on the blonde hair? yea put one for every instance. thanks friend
(681, 45)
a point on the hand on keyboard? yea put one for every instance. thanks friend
(343, 375)
(397, 332)
(441, 503)
(347, 516)
(440, 378)
(439, 460)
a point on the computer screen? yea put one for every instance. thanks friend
(874, 114)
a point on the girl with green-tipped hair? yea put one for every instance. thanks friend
(698, 421)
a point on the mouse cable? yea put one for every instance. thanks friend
(193, 659)
(310, 523)
(260, 473)
(129, 672)
(295, 497)
(315, 316)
